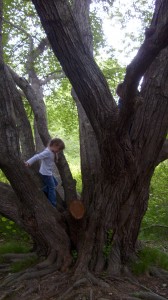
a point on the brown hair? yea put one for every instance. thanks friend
(57, 142)
(119, 89)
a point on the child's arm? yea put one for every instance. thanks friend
(36, 157)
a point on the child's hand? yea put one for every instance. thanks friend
(26, 164)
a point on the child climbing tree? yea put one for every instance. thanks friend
(122, 155)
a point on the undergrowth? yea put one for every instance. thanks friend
(148, 257)
(23, 264)
(14, 247)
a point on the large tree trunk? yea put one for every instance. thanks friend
(127, 145)
(34, 95)
(36, 215)
(89, 151)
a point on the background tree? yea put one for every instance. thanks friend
(126, 142)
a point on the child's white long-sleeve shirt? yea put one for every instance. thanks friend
(47, 161)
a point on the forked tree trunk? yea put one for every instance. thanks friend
(36, 215)
(128, 155)
(120, 205)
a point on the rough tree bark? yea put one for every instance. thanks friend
(33, 91)
(127, 163)
(129, 143)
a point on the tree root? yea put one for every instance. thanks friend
(148, 296)
(136, 283)
(145, 294)
(30, 291)
(163, 274)
(49, 261)
(10, 292)
(30, 273)
(132, 298)
(75, 285)
(61, 263)
(17, 256)
(97, 281)
(38, 282)
(86, 280)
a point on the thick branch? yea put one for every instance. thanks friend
(156, 39)
(79, 66)
(31, 97)
(54, 76)
(63, 167)
(9, 203)
(44, 44)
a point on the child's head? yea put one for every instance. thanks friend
(56, 145)
(119, 90)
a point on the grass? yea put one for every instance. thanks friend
(17, 247)
(150, 257)
(23, 264)
(14, 247)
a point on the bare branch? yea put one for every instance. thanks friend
(17, 27)
(156, 39)
(55, 76)
(44, 44)
(78, 64)
(31, 97)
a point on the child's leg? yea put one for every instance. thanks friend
(49, 183)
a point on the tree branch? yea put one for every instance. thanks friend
(31, 97)
(9, 203)
(17, 27)
(78, 64)
(44, 44)
(55, 76)
(156, 39)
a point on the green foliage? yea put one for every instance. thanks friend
(158, 206)
(149, 257)
(14, 247)
(16, 31)
(3, 177)
(10, 231)
(108, 246)
(74, 254)
(77, 176)
(97, 30)
(113, 72)
(105, 4)
(61, 110)
(23, 264)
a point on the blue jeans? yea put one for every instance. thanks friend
(50, 184)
